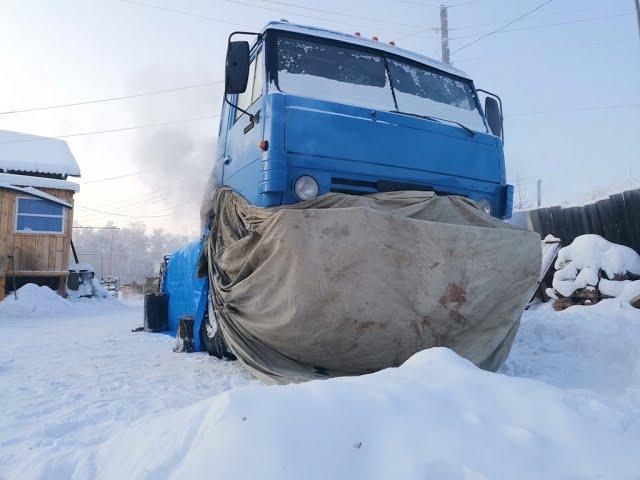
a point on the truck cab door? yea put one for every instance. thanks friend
(241, 162)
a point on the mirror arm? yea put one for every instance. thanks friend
(499, 103)
(226, 99)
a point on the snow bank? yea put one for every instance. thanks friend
(436, 416)
(34, 299)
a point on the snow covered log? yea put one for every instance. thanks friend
(592, 268)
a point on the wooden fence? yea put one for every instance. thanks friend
(616, 218)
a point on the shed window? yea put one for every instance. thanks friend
(39, 216)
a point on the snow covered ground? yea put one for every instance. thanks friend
(81, 396)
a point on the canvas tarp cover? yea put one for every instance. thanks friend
(347, 285)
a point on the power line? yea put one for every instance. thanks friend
(533, 27)
(333, 12)
(184, 12)
(289, 12)
(139, 216)
(509, 30)
(151, 198)
(100, 228)
(578, 109)
(81, 134)
(111, 99)
(123, 215)
(99, 180)
(524, 15)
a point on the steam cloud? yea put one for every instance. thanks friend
(179, 157)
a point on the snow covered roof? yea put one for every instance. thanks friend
(345, 37)
(32, 153)
(39, 182)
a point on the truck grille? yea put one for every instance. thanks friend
(362, 187)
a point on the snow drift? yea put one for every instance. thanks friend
(41, 300)
(437, 416)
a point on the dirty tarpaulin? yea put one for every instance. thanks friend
(346, 285)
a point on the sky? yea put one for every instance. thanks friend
(568, 74)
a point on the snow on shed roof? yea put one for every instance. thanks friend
(32, 153)
(38, 182)
(378, 45)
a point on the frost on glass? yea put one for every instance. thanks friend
(333, 73)
(426, 92)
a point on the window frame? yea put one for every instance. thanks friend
(63, 218)
(251, 82)
(272, 65)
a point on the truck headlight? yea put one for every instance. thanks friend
(485, 206)
(306, 187)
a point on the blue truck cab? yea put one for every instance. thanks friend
(309, 111)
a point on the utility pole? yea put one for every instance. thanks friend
(638, 13)
(539, 192)
(444, 33)
(111, 250)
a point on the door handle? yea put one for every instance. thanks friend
(226, 159)
(254, 119)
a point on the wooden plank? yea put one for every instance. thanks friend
(51, 256)
(557, 228)
(41, 273)
(59, 246)
(595, 223)
(606, 218)
(617, 208)
(632, 217)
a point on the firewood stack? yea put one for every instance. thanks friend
(591, 294)
(592, 269)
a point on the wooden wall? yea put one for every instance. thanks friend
(41, 253)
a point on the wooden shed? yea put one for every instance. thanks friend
(36, 211)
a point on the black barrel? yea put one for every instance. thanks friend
(156, 318)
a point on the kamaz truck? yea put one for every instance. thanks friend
(354, 213)
(310, 111)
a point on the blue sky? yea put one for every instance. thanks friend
(568, 55)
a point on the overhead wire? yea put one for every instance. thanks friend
(111, 99)
(108, 179)
(497, 30)
(333, 12)
(123, 129)
(139, 216)
(576, 109)
(534, 27)
(185, 12)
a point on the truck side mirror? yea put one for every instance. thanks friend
(237, 67)
(494, 115)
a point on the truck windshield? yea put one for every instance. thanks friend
(346, 74)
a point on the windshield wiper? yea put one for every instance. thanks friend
(436, 119)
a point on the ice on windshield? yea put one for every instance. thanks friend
(426, 92)
(333, 73)
(351, 76)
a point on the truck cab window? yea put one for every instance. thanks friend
(334, 73)
(244, 99)
(422, 91)
(259, 77)
(254, 85)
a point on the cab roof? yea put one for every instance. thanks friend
(356, 40)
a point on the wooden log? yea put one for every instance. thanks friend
(562, 303)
